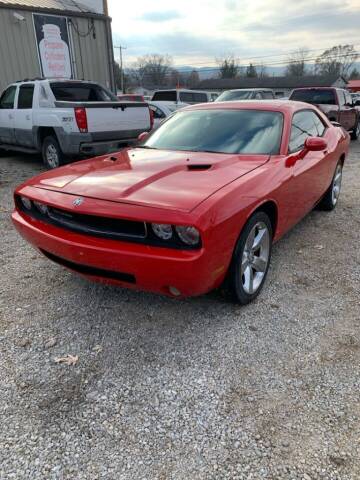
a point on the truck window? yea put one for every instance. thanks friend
(186, 97)
(81, 92)
(8, 97)
(165, 96)
(25, 98)
(200, 97)
(315, 96)
(267, 95)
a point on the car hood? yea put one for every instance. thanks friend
(156, 178)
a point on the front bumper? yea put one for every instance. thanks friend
(142, 267)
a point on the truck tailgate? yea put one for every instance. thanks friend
(105, 117)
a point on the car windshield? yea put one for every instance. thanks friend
(220, 131)
(234, 95)
(318, 97)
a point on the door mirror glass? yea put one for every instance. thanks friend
(315, 144)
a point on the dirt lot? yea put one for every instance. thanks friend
(192, 389)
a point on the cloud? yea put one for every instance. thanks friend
(160, 16)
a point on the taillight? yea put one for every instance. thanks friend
(151, 119)
(81, 119)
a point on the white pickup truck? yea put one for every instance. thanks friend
(68, 119)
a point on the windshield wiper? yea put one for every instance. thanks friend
(146, 146)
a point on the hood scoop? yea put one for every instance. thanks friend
(199, 167)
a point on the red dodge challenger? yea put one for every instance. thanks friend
(197, 204)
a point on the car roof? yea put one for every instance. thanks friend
(248, 90)
(284, 106)
(318, 88)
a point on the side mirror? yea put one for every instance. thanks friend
(143, 136)
(315, 144)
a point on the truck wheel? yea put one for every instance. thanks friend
(356, 132)
(52, 155)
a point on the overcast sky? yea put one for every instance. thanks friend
(194, 32)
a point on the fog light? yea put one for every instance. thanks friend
(174, 291)
(41, 207)
(26, 202)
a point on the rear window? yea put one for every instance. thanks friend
(25, 99)
(79, 92)
(166, 96)
(314, 96)
(229, 95)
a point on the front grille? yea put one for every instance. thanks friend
(88, 270)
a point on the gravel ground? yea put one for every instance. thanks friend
(192, 389)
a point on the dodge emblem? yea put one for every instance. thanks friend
(78, 201)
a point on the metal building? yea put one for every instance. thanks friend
(56, 38)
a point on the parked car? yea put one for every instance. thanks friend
(130, 97)
(65, 119)
(200, 202)
(336, 103)
(162, 110)
(183, 96)
(248, 94)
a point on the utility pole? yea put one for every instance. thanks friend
(121, 48)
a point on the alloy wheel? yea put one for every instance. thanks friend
(52, 156)
(336, 186)
(255, 258)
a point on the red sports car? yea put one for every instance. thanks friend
(197, 204)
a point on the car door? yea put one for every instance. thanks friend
(347, 112)
(309, 171)
(7, 102)
(23, 116)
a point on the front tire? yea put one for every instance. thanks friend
(331, 197)
(52, 155)
(354, 135)
(251, 259)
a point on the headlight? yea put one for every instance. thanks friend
(26, 202)
(162, 230)
(41, 207)
(189, 235)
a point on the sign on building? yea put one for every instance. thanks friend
(52, 38)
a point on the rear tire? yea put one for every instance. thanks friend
(52, 155)
(331, 197)
(354, 135)
(251, 259)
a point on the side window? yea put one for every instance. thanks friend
(320, 127)
(8, 97)
(302, 126)
(258, 96)
(25, 98)
(348, 99)
(186, 97)
(267, 95)
(200, 97)
(157, 112)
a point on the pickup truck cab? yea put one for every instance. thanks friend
(68, 119)
(246, 94)
(336, 103)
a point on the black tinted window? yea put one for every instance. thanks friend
(8, 97)
(166, 96)
(221, 131)
(77, 92)
(200, 97)
(312, 95)
(303, 126)
(186, 97)
(25, 98)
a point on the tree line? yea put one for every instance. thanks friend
(158, 70)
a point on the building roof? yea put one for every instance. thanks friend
(353, 84)
(268, 82)
(59, 5)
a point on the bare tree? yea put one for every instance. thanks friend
(261, 70)
(337, 60)
(355, 74)
(193, 79)
(153, 69)
(296, 66)
(228, 66)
